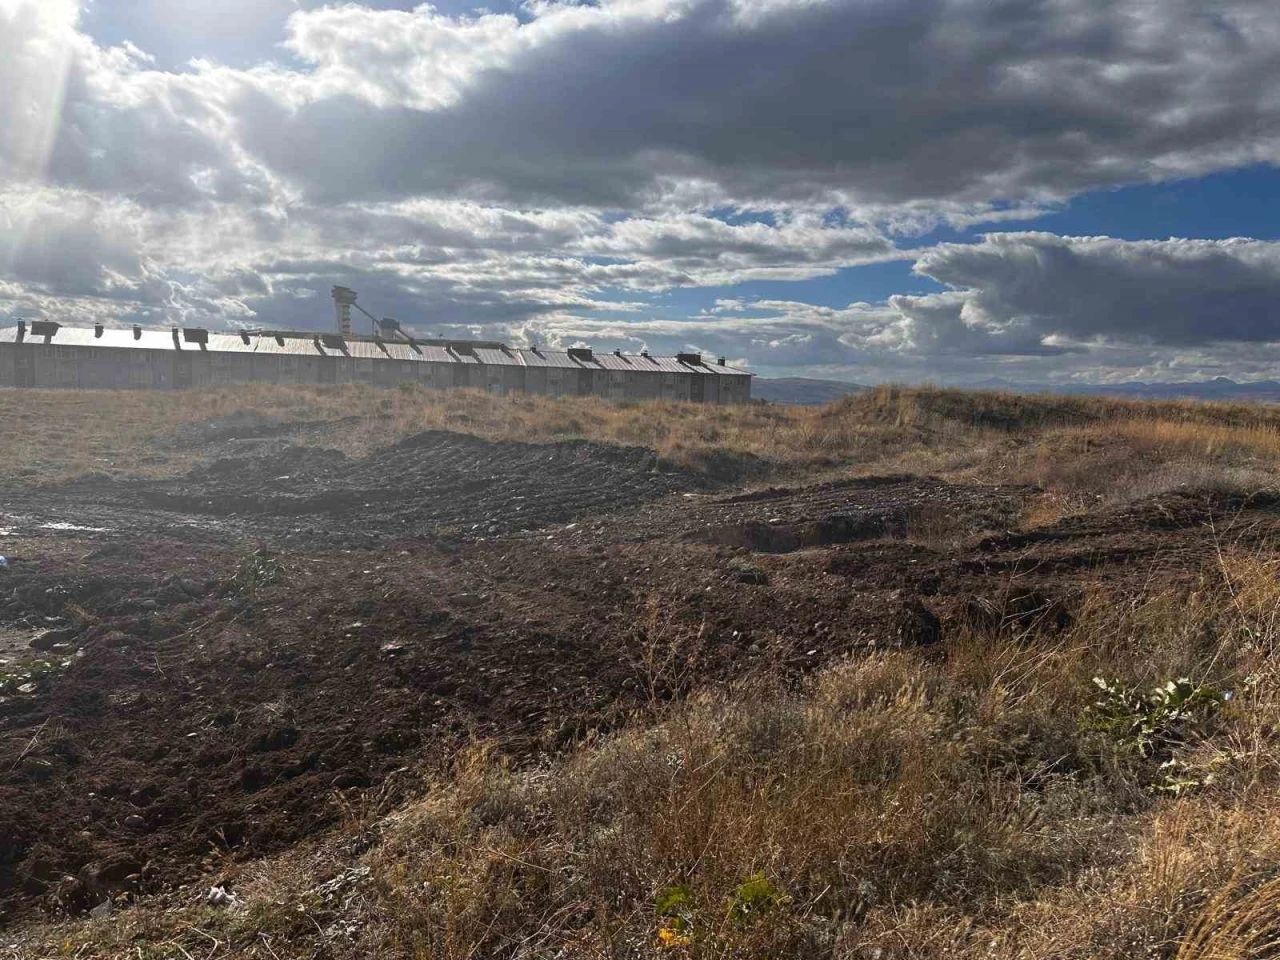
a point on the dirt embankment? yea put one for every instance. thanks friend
(171, 705)
(431, 484)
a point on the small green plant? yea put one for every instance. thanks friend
(674, 907)
(256, 570)
(1151, 724)
(754, 897)
(1176, 779)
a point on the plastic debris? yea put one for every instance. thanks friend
(221, 897)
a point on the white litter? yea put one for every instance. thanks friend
(221, 897)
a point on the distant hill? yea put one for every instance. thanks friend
(1219, 388)
(800, 390)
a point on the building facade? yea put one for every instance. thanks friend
(47, 354)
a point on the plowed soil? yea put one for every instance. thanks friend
(196, 706)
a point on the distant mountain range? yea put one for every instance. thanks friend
(800, 390)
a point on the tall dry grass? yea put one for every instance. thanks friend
(1072, 447)
(906, 804)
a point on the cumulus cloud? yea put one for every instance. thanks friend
(1041, 291)
(872, 103)
(546, 175)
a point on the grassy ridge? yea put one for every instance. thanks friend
(1063, 443)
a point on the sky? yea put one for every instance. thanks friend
(1035, 191)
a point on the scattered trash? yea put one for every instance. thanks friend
(340, 887)
(4, 561)
(221, 897)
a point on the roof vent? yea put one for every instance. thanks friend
(644, 353)
(195, 335)
(617, 353)
(694, 359)
(137, 332)
(580, 353)
(44, 328)
(720, 362)
(97, 331)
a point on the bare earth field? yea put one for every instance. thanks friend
(529, 678)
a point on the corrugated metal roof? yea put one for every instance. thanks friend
(610, 361)
(311, 345)
(547, 358)
(726, 370)
(435, 354)
(497, 358)
(230, 343)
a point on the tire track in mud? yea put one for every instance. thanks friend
(782, 520)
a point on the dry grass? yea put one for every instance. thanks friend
(962, 803)
(901, 805)
(56, 435)
(1070, 446)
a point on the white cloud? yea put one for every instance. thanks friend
(1030, 287)
(522, 175)
(869, 103)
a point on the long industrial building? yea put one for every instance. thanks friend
(43, 353)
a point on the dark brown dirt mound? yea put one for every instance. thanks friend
(781, 520)
(432, 483)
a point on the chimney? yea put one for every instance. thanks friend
(617, 353)
(97, 331)
(177, 339)
(137, 332)
(720, 362)
(22, 330)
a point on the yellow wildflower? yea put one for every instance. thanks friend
(669, 937)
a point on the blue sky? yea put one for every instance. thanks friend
(858, 189)
(1241, 203)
